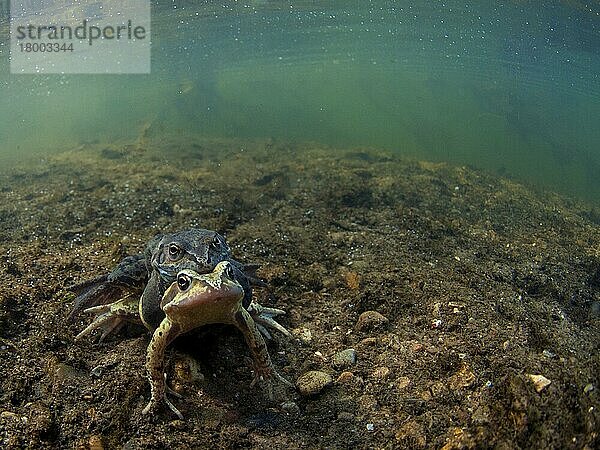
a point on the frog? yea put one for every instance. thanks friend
(133, 290)
(195, 300)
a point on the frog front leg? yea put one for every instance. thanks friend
(155, 365)
(263, 367)
(110, 318)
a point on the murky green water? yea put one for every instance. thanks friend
(511, 87)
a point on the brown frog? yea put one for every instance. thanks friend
(195, 300)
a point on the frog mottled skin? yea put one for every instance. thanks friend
(196, 300)
(134, 289)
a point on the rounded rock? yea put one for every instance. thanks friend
(370, 320)
(345, 358)
(313, 382)
(345, 377)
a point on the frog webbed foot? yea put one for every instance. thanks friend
(271, 382)
(264, 319)
(155, 402)
(112, 317)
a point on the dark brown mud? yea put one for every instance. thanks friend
(484, 283)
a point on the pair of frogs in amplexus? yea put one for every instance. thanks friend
(181, 282)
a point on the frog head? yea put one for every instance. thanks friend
(196, 249)
(194, 300)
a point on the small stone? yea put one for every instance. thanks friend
(95, 442)
(540, 382)
(369, 341)
(313, 382)
(462, 379)
(345, 377)
(548, 354)
(304, 335)
(177, 424)
(8, 415)
(188, 370)
(290, 408)
(345, 358)
(381, 373)
(417, 347)
(371, 320)
(345, 416)
(402, 382)
(370, 427)
(65, 373)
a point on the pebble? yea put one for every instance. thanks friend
(345, 358)
(417, 347)
(369, 341)
(177, 424)
(8, 415)
(304, 335)
(290, 408)
(345, 377)
(187, 369)
(548, 354)
(313, 382)
(64, 373)
(540, 382)
(403, 382)
(95, 442)
(346, 416)
(381, 373)
(370, 320)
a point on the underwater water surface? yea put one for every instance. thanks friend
(510, 87)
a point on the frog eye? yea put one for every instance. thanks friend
(174, 251)
(183, 282)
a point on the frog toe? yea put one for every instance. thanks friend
(112, 317)
(264, 318)
(154, 404)
(106, 322)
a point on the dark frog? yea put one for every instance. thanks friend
(135, 290)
